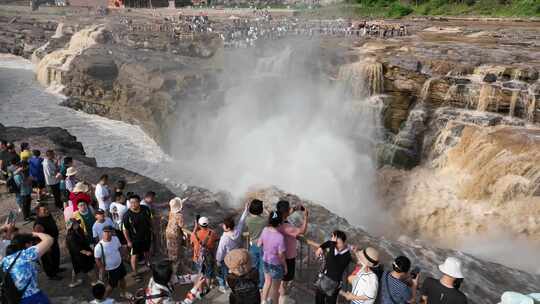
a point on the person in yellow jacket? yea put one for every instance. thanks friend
(86, 216)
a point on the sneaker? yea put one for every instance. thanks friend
(76, 283)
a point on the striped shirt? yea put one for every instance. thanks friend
(394, 291)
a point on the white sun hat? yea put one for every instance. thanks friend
(452, 267)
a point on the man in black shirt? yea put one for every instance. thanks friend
(137, 227)
(337, 259)
(445, 290)
(51, 259)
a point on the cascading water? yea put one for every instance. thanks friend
(531, 105)
(485, 97)
(297, 132)
(424, 92)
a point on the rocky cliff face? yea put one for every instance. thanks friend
(144, 80)
(23, 35)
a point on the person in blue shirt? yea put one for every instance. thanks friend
(23, 256)
(36, 171)
(397, 286)
(24, 181)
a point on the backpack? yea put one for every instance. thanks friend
(245, 289)
(9, 293)
(11, 184)
(205, 255)
(379, 271)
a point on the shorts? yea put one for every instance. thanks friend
(291, 267)
(140, 247)
(38, 184)
(116, 275)
(275, 271)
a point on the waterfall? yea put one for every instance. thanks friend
(286, 128)
(424, 92)
(453, 90)
(50, 69)
(59, 31)
(531, 105)
(278, 64)
(362, 78)
(485, 97)
(513, 101)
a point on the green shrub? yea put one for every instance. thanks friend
(398, 10)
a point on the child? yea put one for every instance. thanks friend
(98, 291)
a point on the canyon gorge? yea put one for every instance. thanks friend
(426, 141)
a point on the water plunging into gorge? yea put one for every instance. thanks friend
(283, 123)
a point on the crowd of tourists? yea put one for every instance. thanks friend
(242, 32)
(107, 228)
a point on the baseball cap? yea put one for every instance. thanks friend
(203, 221)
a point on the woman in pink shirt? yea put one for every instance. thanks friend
(275, 267)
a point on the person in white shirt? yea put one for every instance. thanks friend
(363, 280)
(109, 261)
(98, 291)
(117, 210)
(101, 222)
(103, 193)
(52, 175)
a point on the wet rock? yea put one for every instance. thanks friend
(490, 78)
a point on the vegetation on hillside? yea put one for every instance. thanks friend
(401, 8)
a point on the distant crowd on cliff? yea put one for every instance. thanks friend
(107, 228)
(242, 32)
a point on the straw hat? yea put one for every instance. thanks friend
(368, 256)
(80, 187)
(71, 171)
(452, 267)
(176, 204)
(238, 261)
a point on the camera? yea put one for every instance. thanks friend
(415, 272)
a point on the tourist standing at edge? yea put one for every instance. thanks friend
(36, 171)
(363, 280)
(23, 196)
(52, 177)
(204, 241)
(22, 258)
(272, 243)
(103, 193)
(51, 260)
(291, 234)
(174, 234)
(395, 284)
(109, 261)
(25, 152)
(229, 240)
(337, 258)
(137, 227)
(255, 223)
(82, 257)
(446, 289)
